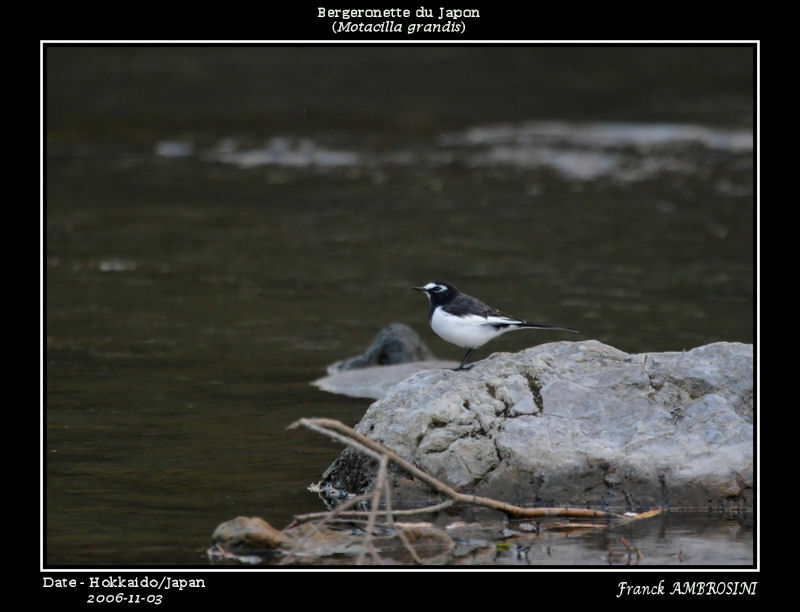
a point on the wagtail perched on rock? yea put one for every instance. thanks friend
(467, 322)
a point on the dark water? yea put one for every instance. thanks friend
(670, 540)
(222, 223)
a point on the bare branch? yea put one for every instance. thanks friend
(344, 434)
(382, 490)
(376, 500)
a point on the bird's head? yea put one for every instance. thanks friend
(439, 291)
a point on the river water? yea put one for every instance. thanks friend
(222, 223)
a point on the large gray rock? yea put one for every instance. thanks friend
(578, 423)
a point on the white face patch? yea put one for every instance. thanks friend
(434, 288)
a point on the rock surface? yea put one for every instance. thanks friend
(578, 423)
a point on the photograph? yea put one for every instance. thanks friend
(415, 302)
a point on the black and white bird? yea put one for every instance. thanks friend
(467, 322)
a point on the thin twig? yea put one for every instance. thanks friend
(321, 427)
(303, 518)
(333, 426)
(327, 516)
(390, 520)
(376, 500)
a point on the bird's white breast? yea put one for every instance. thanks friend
(470, 331)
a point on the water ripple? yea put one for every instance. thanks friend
(624, 152)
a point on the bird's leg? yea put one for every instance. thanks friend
(463, 361)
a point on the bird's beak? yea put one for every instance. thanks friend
(419, 288)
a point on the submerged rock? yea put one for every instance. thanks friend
(577, 423)
(396, 353)
(248, 533)
(253, 541)
(395, 344)
(374, 382)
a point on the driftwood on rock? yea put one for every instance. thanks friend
(338, 431)
(381, 492)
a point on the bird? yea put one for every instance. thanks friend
(469, 323)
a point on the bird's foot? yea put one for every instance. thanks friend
(463, 367)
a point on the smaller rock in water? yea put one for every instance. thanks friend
(395, 344)
(248, 533)
(375, 382)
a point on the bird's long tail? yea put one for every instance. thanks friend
(546, 326)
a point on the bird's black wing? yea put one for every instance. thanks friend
(465, 306)
(468, 306)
